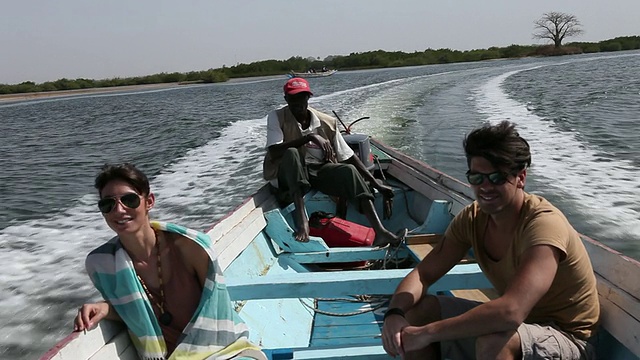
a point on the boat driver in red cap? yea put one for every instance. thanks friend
(306, 150)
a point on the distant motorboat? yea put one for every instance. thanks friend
(311, 74)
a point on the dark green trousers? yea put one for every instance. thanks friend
(339, 179)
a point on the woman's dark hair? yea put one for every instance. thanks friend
(500, 144)
(125, 172)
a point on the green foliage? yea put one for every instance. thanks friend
(628, 42)
(213, 76)
(364, 60)
(551, 50)
(611, 46)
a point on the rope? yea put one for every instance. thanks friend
(359, 298)
(377, 160)
(391, 255)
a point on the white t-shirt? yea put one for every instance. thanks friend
(314, 155)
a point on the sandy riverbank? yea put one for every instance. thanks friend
(54, 94)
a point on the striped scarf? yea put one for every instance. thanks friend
(215, 330)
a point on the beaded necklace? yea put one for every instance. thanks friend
(165, 316)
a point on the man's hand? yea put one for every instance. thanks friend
(326, 147)
(392, 330)
(414, 338)
(385, 190)
(387, 195)
(89, 315)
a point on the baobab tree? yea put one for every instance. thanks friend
(556, 26)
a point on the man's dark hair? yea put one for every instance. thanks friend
(500, 144)
(125, 172)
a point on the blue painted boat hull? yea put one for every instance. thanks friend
(296, 306)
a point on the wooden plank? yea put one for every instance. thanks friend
(370, 352)
(425, 185)
(620, 314)
(114, 348)
(420, 251)
(614, 267)
(344, 283)
(425, 169)
(262, 198)
(346, 331)
(430, 239)
(482, 295)
(79, 345)
(281, 233)
(356, 341)
(438, 218)
(368, 318)
(622, 299)
(358, 329)
(240, 237)
(130, 354)
(336, 255)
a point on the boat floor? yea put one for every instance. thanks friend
(344, 329)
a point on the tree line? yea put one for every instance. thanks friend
(353, 61)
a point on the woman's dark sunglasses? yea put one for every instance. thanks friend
(130, 200)
(496, 178)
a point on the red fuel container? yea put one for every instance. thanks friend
(337, 232)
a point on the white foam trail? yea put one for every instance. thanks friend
(45, 263)
(604, 191)
(206, 177)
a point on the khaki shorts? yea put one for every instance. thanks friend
(537, 341)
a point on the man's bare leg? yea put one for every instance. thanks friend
(503, 345)
(383, 236)
(302, 222)
(427, 310)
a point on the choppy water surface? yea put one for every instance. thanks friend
(202, 147)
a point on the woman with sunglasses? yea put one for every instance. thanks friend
(547, 304)
(154, 276)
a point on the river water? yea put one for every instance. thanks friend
(202, 147)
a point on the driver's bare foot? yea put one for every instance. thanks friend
(302, 233)
(386, 237)
(386, 190)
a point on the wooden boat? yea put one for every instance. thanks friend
(307, 74)
(298, 308)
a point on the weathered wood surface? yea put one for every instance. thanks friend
(344, 283)
(619, 293)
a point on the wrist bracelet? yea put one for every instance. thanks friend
(393, 311)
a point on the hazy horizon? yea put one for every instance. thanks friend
(46, 41)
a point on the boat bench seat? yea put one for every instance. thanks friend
(437, 219)
(355, 352)
(315, 250)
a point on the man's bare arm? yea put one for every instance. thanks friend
(276, 151)
(532, 280)
(414, 286)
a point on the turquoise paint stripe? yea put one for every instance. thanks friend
(347, 341)
(346, 331)
(370, 352)
(344, 283)
(346, 306)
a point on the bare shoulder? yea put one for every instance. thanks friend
(188, 247)
(194, 256)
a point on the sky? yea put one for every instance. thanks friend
(45, 40)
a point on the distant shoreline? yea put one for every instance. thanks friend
(102, 90)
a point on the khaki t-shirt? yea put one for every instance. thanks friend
(572, 300)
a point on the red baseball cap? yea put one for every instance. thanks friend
(296, 85)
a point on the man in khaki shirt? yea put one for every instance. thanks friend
(548, 303)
